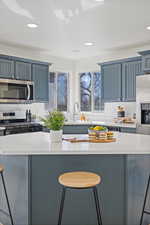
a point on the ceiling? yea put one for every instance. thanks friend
(65, 25)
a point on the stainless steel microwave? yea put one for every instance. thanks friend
(13, 91)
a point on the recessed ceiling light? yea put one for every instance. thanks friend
(99, 0)
(88, 43)
(148, 28)
(32, 25)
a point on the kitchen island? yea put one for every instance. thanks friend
(33, 164)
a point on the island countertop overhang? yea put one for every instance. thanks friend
(39, 144)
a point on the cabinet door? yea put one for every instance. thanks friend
(138, 67)
(6, 68)
(23, 70)
(111, 79)
(40, 78)
(129, 81)
(146, 63)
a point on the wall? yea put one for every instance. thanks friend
(74, 68)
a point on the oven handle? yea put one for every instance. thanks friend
(28, 88)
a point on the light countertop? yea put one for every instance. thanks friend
(39, 144)
(103, 123)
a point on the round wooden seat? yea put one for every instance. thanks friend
(79, 179)
(1, 170)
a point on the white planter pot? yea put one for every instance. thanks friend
(56, 135)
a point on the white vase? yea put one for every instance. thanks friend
(56, 135)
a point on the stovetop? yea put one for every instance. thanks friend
(16, 123)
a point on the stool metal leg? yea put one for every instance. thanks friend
(98, 211)
(145, 198)
(3, 181)
(61, 205)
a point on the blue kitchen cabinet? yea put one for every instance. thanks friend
(6, 68)
(145, 61)
(111, 82)
(40, 78)
(127, 130)
(23, 70)
(75, 129)
(119, 79)
(128, 82)
(129, 72)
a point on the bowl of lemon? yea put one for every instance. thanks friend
(97, 131)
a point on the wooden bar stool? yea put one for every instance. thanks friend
(5, 191)
(144, 211)
(80, 180)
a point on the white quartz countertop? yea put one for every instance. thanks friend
(103, 123)
(39, 144)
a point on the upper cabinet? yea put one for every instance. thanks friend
(22, 70)
(119, 79)
(6, 68)
(40, 78)
(25, 69)
(111, 80)
(145, 61)
(128, 81)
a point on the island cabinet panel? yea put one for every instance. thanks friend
(6, 68)
(40, 78)
(23, 70)
(138, 171)
(79, 204)
(111, 82)
(16, 178)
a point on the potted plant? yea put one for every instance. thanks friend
(55, 121)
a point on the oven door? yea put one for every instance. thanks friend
(15, 91)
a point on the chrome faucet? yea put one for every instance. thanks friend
(75, 110)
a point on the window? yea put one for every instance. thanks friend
(90, 92)
(58, 91)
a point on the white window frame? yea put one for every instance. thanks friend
(56, 88)
(92, 95)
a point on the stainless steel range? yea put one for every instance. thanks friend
(16, 122)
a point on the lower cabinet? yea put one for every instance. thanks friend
(83, 129)
(75, 129)
(128, 130)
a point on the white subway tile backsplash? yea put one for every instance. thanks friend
(40, 109)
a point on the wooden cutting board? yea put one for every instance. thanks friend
(75, 140)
